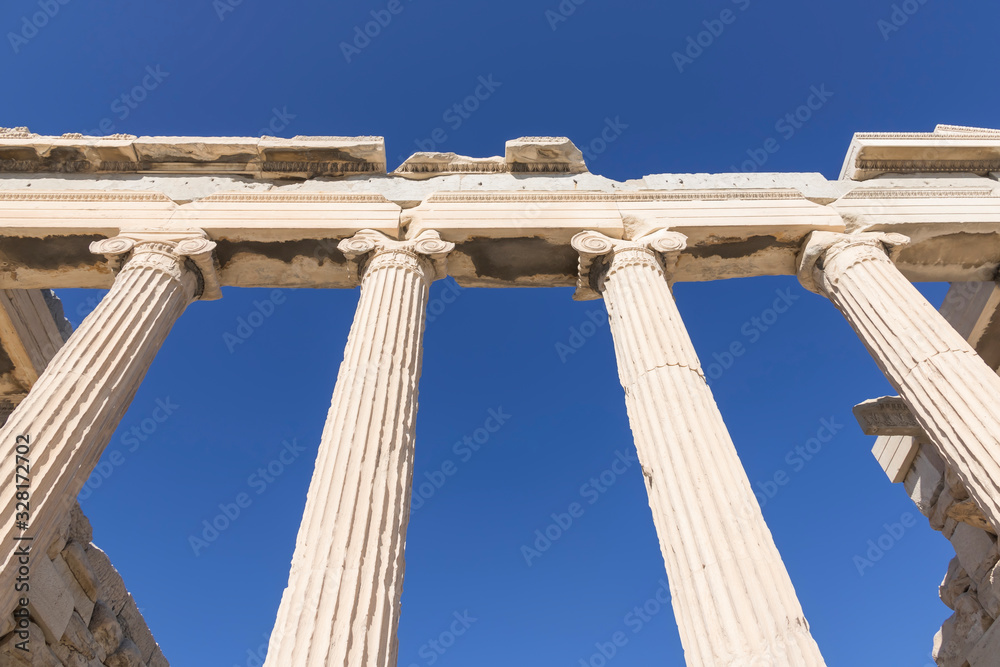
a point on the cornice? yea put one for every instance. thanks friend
(949, 149)
(264, 157)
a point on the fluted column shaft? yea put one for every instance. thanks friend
(953, 394)
(733, 600)
(75, 406)
(341, 606)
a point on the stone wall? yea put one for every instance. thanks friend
(971, 587)
(81, 615)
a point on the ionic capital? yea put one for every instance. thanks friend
(600, 253)
(174, 252)
(818, 265)
(426, 250)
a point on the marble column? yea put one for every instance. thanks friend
(73, 409)
(341, 606)
(732, 597)
(953, 394)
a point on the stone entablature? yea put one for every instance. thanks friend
(283, 238)
(512, 225)
(950, 149)
(264, 157)
(22, 151)
(887, 416)
(197, 214)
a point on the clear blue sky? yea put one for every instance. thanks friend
(232, 69)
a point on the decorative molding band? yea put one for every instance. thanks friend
(302, 137)
(16, 133)
(693, 195)
(929, 136)
(965, 129)
(86, 166)
(42, 167)
(324, 167)
(86, 196)
(920, 193)
(123, 166)
(888, 415)
(930, 166)
(541, 140)
(454, 168)
(541, 168)
(294, 198)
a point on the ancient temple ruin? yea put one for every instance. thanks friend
(164, 221)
